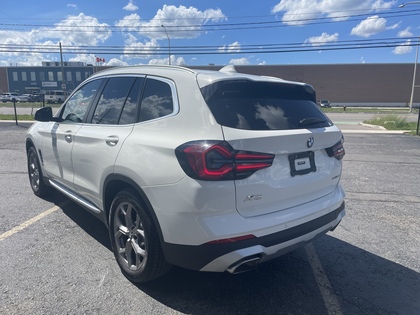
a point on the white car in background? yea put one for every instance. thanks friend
(24, 98)
(9, 97)
(207, 170)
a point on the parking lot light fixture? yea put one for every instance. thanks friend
(402, 5)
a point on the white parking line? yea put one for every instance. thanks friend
(28, 223)
(330, 299)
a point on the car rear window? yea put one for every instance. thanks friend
(257, 105)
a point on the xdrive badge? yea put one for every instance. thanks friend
(253, 197)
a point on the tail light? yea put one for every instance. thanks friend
(337, 150)
(217, 160)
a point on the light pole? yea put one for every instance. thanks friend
(169, 44)
(415, 62)
(415, 69)
(414, 76)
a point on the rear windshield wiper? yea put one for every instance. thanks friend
(313, 121)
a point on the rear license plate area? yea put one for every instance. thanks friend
(302, 163)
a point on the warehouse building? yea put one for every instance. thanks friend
(342, 84)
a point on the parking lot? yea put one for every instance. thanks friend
(55, 258)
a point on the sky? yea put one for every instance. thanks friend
(204, 32)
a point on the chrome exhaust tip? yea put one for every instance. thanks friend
(244, 265)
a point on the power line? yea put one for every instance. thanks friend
(265, 48)
(212, 50)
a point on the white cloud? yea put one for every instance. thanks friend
(179, 22)
(298, 12)
(239, 62)
(371, 26)
(323, 39)
(403, 49)
(136, 49)
(86, 58)
(164, 61)
(116, 62)
(130, 6)
(78, 30)
(141, 37)
(75, 30)
(405, 33)
(130, 23)
(406, 47)
(383, 5)
(231, 48)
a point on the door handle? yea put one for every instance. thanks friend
(67, 136)
(112, 141)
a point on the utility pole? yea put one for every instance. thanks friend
(63, 85)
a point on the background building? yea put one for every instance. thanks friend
(342, 84)
(41, 79)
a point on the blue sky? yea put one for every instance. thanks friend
(130, 32)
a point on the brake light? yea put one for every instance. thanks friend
(217, 160)
(337, 150)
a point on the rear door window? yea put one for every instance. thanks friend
(254, 105)
(112, 100)
(157, 100)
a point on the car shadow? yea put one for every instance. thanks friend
(88, 222)
(360, 281)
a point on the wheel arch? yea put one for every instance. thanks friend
(29, 143)
(115, 183)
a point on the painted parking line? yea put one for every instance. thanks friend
(27, 223)
(330, 299)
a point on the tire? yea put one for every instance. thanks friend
(134, 239)
(35, 175)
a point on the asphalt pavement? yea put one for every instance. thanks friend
(55, 258)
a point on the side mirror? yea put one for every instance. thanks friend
(44, 114)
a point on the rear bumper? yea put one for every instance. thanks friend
(230, 256)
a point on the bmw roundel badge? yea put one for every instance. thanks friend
(310, 142)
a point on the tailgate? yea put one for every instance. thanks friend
(301, 172)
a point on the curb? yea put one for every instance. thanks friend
(372, 126)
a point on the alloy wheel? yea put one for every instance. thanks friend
(34, 172)
(129, 237)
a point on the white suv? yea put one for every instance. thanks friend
(9, 97)
(207, 170)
